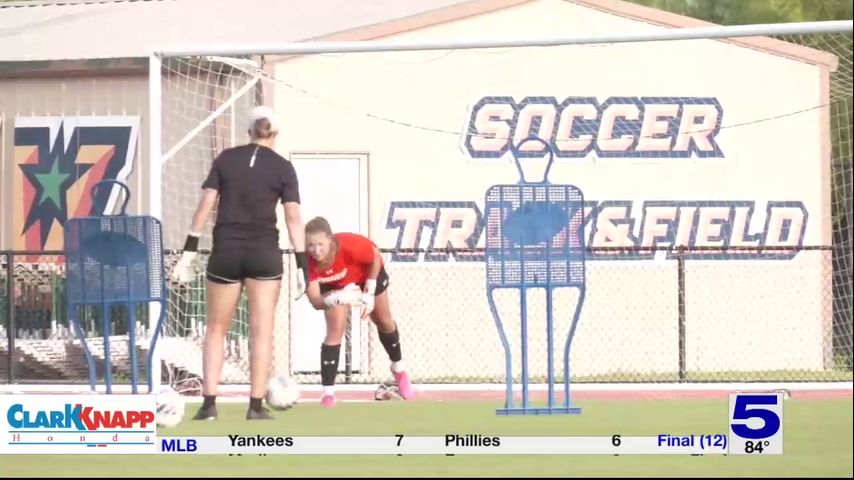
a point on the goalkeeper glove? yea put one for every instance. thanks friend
(188, 265)
(302, 273)
(368, 297)
(349, 295)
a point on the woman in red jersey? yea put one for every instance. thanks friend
(347, 269)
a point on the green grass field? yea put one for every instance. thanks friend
(817, 442)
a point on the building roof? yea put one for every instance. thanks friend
(101, 29)
(43, 30)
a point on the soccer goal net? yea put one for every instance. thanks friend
(716, 175)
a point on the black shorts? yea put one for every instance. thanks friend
(382, 284)
(231, 265)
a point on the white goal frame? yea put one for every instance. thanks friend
(157, 156)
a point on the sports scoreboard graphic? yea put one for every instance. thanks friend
(124, 424)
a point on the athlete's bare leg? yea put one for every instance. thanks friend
(221, 303)
(263, 296)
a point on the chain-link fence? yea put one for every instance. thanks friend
(687, 315)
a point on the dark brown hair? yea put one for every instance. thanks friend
(318, 224)
(261, 129)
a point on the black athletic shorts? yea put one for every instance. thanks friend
(233, 265)
(382, 284)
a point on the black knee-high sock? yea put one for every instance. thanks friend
(391, 343)
(329, 355)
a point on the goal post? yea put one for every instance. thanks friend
(731, 142)
(155, 206)
(698, 33)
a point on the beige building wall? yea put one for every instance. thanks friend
(741, 314)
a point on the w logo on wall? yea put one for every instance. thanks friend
(57, 160)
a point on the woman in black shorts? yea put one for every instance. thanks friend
(248, 181)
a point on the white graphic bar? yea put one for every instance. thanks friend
(452, 444)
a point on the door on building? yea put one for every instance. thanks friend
(333, 186)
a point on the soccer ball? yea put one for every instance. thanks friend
(282, 392)
(170, 408)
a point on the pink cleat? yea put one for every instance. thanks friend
(404, 385)
(328, 401)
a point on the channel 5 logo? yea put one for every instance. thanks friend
(756, 423)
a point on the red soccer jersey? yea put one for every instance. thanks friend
(352, 262)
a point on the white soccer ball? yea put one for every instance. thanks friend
(170, 408)
(282, 392)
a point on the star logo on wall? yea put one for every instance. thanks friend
(51, 177)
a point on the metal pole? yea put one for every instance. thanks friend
(665, 34)
(10, 314)
(680, 267)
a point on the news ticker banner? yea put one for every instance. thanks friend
(125, 424)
